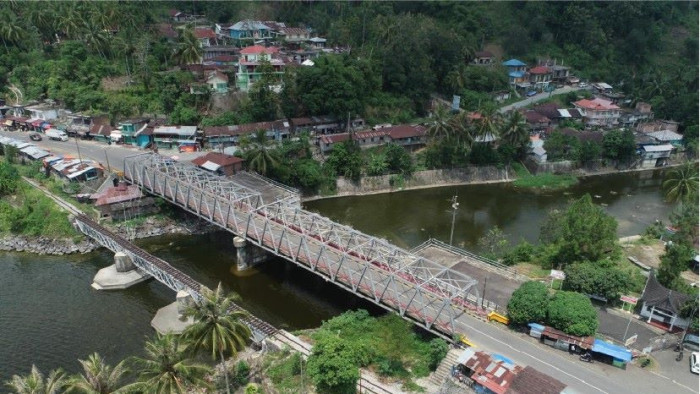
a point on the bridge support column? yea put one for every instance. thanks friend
(247, 255)
(171, 318)
(120, 275)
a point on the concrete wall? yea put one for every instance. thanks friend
(429, 178)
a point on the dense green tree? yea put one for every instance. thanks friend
(619, 145)
(9, 177)
(515, 133)
(166, 368)
(587, 233)
(598, 279)
(217, 328)
(673, 262)
(494, 243)
(264, 100)
(34, 383)
(398, 160)
(345, 160)
(572, 313)
(528, 304)
(333, 366)
(588, 152)
(560, 146)
(188, 49)
(98, 377)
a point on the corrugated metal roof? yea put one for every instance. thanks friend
(658, 148)
(615, 351)
(208, 165)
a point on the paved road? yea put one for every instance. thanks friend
(108, 155)
(538, 97)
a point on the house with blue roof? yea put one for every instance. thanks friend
(248, 31)
(517, 73)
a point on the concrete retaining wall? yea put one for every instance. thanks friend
(428, 178)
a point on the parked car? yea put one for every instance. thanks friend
(582, 85)
(531, 93)
(55, 134)
(35, 137)
(694, 364)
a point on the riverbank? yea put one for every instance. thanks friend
(153, 226)
(509, 177)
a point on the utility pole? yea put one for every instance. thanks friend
(455, 205)
(78, 148)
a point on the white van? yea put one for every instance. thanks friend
(56, 134)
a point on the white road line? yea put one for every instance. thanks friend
(674, 381)
(535, 358)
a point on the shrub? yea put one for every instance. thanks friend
(240, 376)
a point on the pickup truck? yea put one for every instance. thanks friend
(56, 134)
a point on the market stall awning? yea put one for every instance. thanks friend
(617, 352)
(8, 123)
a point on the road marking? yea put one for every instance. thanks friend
(529, 355)
(674, 381)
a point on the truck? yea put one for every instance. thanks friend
(56, 134)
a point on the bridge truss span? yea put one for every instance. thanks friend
(418, 289)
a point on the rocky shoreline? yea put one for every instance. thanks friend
(151, 227)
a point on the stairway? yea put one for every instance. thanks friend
(443, 370)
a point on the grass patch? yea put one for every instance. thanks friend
(30, 212)
(546, 180)
(387, 345)
(285, 371)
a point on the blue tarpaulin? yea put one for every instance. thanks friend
(502, 358)
(535, 326)
(615, 351)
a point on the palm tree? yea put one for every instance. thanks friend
(488, 123)
(217, 328)
(681, 183)
(166, 368)
(258, 153)
(188, 50)
(34, 383)
(462, 129)
(11, 31)
(98, 377)
(514, 131)
(442, 128)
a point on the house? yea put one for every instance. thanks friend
(76, 170)
(657, 125)
(598, 112)
(33, 153)
(662, 306)
(318, 125)
(667, 137)
(407, 135)
(217, 82)
(404, 135)
(166, 30)
(179, 16)
(317, 42)
(540, 77)
(603, 87)
(123, 202)
(537, 151)
(294, 35)
(655, 155)
(536, 121)
(560, 73)
(247, 32)
(489, 374)
(42, 112)
(248, 65)
(483, 58)
(531, 381)
(501, 96)
(216, 137)
(641, 113)
(214, 51)
(128, 129)
(172, 136)
(205, 36)
(516, 73)
(219, 163)
(552, 112)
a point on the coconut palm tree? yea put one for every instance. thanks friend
(11, 31)
(98, 377)
(514, 131)
(217, 327)
(189, 50)
(463, 131)
(441, 128)
(681, 183)
(34, 383)
(166, 368)
(489, 122)
(258, 152)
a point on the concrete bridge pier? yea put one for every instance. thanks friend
(247, 255)
(120, 275)
(171, 318)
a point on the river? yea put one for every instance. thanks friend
(50, 316)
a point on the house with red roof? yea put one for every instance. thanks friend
(219, 163)
(205, 36)
(540, 77)
(598, 112)
(122, 202)
(217, 82)
(408, 136)
(249, 65)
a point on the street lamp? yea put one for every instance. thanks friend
(455, 205)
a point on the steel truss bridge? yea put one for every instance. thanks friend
(162, 271)
(418, 289)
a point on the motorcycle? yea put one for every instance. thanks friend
(678, 347)
(586, 357)
(679, 357)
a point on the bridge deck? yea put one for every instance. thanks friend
(417, 288)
